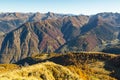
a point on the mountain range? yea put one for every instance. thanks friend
(28, 34)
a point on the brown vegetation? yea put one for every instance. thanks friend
(88, 65)
(84, 65)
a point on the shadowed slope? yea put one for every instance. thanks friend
(94, 65)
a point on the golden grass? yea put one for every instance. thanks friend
(92, 65)
(8, 67)
(75, 66)
(45, 56)
(78, 71)
(43, 71)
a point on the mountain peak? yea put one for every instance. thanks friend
(50, 14)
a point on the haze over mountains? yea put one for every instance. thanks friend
(27, 34)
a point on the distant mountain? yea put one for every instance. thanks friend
(101, 30)
(36, 37)
(112, 48)
(50, 32)
(30, 39)
(10, 21)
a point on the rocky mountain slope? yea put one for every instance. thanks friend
(10, 21)
(58, 33)
(102, 30)
(30, 39)
(36, 37)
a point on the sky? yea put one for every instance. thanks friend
(87, 7)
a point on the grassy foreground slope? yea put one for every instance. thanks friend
(70, 66)
(8, 67)
(43, 71)
(89, 65)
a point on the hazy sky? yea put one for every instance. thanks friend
(60, 6)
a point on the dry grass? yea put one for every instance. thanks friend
(45, 56)
(88, 65)
(8, 67)
(75, 66)
(43, 71)
(78, 71)
(92, 64)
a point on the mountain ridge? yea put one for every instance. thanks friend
(59, 33)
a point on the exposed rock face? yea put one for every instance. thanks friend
(72, 26)
(52, 32)
(30, 39)
(100, 31)
(81, 43)
(10, 21)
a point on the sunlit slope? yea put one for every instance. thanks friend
(43, 71)
(89, 65)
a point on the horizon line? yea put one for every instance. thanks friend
(55, 12)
